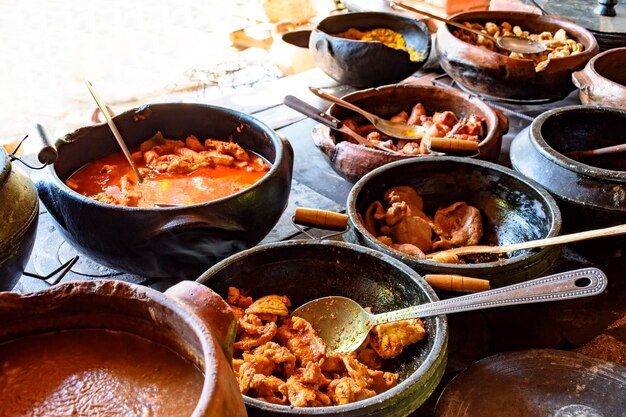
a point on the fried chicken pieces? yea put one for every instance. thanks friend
(401, 223)
(281, 359)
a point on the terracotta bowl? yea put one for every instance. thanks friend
(495, 75)
(513, 208)
(591, 192)
(305, 270)
(352, 161)
(363, 63)
(603, 80)
(189, 318)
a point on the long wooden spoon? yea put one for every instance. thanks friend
(550, 241)
(113, 127)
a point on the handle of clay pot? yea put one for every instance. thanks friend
(186, 222)
(211, 309)
(581, 80)
(323, 46)
(47, 154)
(322, 219)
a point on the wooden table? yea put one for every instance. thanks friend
(473, 335)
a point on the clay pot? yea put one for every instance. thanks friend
(178, 242)
(603, 80)
(305, 270)
(496, 75)
(591, 192)
(189, 318)
(514, 209)
(19, 211)
(353, 161)
(290, 48)
(364, 64)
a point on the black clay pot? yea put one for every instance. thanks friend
(305, 270)
(514, 209)
(591, 192)
(365, 64)
(168, 242)
(19, 212)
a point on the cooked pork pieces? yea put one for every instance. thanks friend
(400, 222)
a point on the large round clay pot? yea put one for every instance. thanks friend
(178, 242)
(603, 80)
(305, 270)
(353, 161)
(513, 209)
(19, 211)
(364, 64)
(189, 318)
(498, 76)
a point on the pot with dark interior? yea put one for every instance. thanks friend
(364, 64)
(180, 241)
(19, 211)
(353, 161)
(591, 192)
(305, 270)
(512, 207)
(495, 75)
(603, 80)
(162, 354)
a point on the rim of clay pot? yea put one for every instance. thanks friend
(5, 166)
(560, 159)
(582, 35)
(602, 56)
(438, 349)
(505, 264)
(243, 117)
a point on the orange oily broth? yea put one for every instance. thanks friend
(91, 372)
(202, 185)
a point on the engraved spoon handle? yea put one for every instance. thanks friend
(571, 284)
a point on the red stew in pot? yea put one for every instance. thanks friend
(175, 173)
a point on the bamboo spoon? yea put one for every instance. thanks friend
(113, 127)
(510, 43)
(343, 324)
(550, 241)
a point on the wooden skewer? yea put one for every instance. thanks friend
(600, 151)
(550, 241)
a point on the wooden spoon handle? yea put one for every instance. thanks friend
(550, 241)
(320, 218)
(600, 151)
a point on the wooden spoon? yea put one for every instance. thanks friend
(550, 241)
(343, 324)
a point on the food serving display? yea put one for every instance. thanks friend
(336, 268)
(180, 241)
(469, 61)
(369, 62)
(511, 209)
(440, 113)
(279, 358)
(111, 348)
(175, 173)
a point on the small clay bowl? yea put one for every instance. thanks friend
(591, 192)
(495, 75)
(514, 209)
(353, 161)
(305, 270)
(364, 64)
(603, 80)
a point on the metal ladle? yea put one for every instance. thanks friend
(510, 43)
(343, 324)
(113, 127)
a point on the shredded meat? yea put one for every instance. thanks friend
(299, 337)
(458, 225)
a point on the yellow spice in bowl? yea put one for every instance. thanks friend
(388, 37)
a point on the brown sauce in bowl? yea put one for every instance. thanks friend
(94, 372)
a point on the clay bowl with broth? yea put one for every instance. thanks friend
(512, 207)
(495, 75)
(352, 160)
(305, 270)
